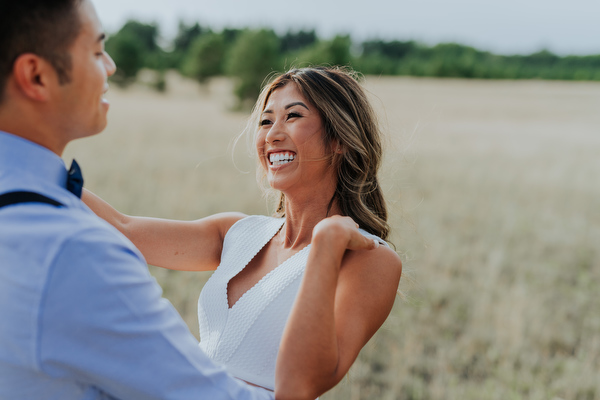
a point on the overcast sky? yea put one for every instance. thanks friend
(502, 26)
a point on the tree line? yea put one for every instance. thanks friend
(249, 55)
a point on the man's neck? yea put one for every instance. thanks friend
(30, 126)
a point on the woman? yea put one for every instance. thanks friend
(318, 143)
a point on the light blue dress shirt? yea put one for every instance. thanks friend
(80, 315)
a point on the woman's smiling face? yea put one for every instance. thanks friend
(290, 142)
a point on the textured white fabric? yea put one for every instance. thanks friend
(245, 338)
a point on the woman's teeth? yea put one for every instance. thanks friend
(281, 158)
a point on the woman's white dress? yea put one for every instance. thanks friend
(245, 338)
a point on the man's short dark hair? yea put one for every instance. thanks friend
(46, 28)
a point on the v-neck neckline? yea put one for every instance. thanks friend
(267, 276)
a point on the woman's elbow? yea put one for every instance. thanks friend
(296, 386)
(296, 392)
(300, 388)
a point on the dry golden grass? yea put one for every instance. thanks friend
(494, 194)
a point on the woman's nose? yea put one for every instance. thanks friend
(276, 133)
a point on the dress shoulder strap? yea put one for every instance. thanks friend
(371, 236)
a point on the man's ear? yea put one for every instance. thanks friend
(33, 76)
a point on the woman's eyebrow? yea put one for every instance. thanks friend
(297, 103)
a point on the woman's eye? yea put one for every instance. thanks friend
(264, 122)
(293, 115)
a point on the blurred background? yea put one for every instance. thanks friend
(513, 39)
(491, 114)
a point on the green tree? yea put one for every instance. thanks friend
(386, 58)
(135, 46)
(231, 35)
(394, 50)
(182, 44)
(145, 34)
(186, 35)
(327, 52)
(128, 54)
(293, 41)
(253, 56)
(205, 58)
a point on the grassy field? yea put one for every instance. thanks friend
(495, 199)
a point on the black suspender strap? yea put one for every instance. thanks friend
(11, 198)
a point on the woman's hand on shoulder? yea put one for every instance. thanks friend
(342, 233)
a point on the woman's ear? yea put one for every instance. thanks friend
(33, 76)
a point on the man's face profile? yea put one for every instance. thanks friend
(81, 102)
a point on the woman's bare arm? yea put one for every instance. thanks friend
(182, 245)
(344, 298)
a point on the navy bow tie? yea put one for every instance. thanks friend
(75, 179)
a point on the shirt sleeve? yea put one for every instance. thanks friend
(103, 323)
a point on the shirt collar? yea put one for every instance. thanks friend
(31, 159)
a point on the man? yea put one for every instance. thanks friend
(80, 316)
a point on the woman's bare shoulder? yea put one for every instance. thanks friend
(372, 277)
(225, 220)
(366, 292)
(382, 261)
